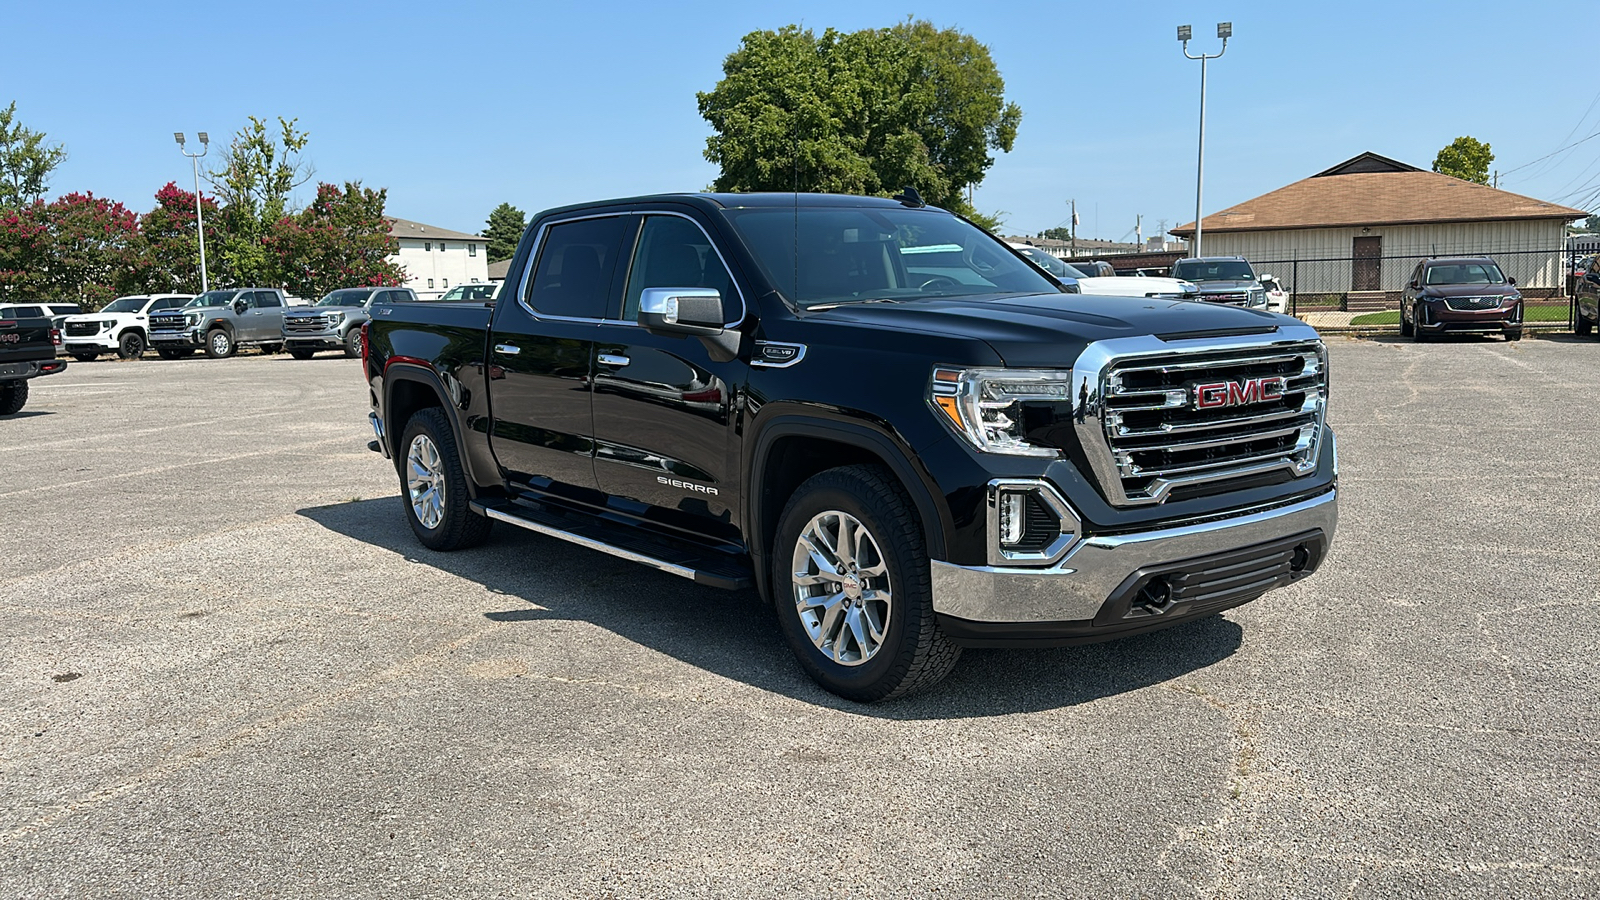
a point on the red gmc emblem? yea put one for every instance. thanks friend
(1222, 394)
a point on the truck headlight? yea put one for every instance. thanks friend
(991, 407)
(335, 319)
(191, 319)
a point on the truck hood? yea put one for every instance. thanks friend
(1051, 330)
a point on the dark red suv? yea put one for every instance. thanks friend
(1467, 293)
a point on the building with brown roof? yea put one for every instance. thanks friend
(1363, 224)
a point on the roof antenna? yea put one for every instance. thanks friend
(796, 140)
(909, 196)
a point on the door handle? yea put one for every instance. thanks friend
(611, 359)
(507, 349)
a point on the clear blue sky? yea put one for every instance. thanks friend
(457, 106)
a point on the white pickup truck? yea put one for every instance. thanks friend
(1117, 286)
(121, 326)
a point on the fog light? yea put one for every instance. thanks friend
(1013, 523)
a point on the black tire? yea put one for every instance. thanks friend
(1584, 326)
(1405, 325)
(1417, 334)
(219, 344)
(302, 354)
(131, 345)
(85, 356)
(271, 349)
(13, 397)
(173, 354)
(352, 343)
(914, 653)
(1514, 334)
(459, 527)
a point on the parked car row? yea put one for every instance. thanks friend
(220, 322)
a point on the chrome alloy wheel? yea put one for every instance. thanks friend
(219, 343)
(841, 588)
(425, 481)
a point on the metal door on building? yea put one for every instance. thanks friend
(1366, 264)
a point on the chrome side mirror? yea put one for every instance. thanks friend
(681, 311)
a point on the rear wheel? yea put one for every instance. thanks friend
(433, 485)
(302, 354)
(271, 349)
(352, 343)
(853, 590)
(84, 356)
(131, 345)
(173, 354)
(219, 344)
(13, 396)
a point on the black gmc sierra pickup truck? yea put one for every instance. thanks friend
(902, 434)
(27, 350)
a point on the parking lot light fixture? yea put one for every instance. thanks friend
(1224, 31)
(199, 216)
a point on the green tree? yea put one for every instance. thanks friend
(169, 247)
(78, 248)
(341, 240)
(1057, 234)
(258, 172)
(506, 223)
(863, 112)
(1466, 158)
(26, 161)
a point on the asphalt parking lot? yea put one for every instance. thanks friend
(227, 669)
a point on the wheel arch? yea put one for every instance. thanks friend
(789, 449)
(409, 388)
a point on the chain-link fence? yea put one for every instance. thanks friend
(1363, 293)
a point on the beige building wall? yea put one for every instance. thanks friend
(1320, 257)
(433, 266)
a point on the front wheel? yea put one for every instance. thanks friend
(352, 343)
(1405, 325)
(219, 344)
(852, 587)
(1584, 326)
(1514, 334)
(271, 349)
(433, 485)
(13, 396)
(131, 345)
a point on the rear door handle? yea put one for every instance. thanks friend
(507, 349)
(611, 359)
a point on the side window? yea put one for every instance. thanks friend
(267, 300)
(573, 276)
(674, 253)
(248, 297)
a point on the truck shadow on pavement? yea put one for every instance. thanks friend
(734, 635)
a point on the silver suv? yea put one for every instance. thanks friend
(335, 322)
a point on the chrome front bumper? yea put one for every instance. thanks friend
(1081, 583)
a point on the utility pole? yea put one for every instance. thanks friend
(1074, 203)
(199, 217)
(1224, 31)
(1138, 230)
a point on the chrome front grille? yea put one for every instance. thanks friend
(1160, 417)
(1469, 303)
(308, 324)
(166, 323)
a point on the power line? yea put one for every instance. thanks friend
(1591, 137)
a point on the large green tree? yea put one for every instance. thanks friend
(26, 161)
(169, 252)
(862, 112)
(259, 170)
(1466, 158)
(78, 248)
(505, 223)
(341, 240)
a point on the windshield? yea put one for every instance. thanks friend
(125, 305)
(211, 298)
(852, 255)
(1213, 270)
(1466, 273)
(346, 297)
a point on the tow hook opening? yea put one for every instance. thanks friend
(1156, 595)
(1300, 559)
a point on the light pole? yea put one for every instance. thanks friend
(199, 218)
(1224, 31)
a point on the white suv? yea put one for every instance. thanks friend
(121, 325)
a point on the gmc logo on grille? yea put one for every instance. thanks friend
(1222, 394)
